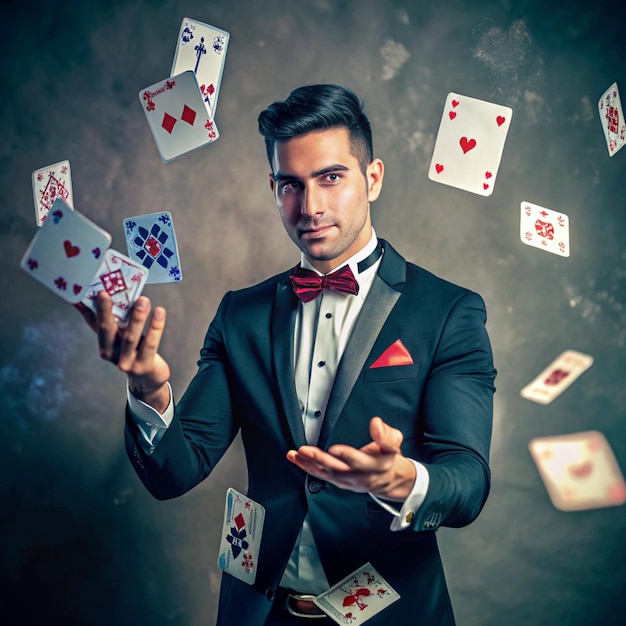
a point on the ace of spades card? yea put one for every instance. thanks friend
(358, 597)
(469, 144)
(66, 252)
(122, 278)
(50, 183)
(151, 241)
(544, 229)
(177, 116)
(202, 49)
(579, 471)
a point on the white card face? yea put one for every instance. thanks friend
(122, 278)
(358, 597)
(544, 229)
(579, 471)
(151, 241)
(202, 49)
(50, 183)
(612, 119)
(66, 252)
(557, 377)
(241, 536)
(177, 116)
(469, 144)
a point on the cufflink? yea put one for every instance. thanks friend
(409, 517)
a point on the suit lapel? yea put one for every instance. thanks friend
(283, 320)
(377, 306)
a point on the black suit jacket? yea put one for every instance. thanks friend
(442, 403)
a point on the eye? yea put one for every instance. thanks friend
(332, 177)
(289, 186)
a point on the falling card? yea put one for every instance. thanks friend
(177, 116)
(612, 119)
(66, 252)
(358, 597)
(122, 278)
(544, 229)
(469, 144)
(151, 241)
(202, 49)
(241, 536)
(579, 471)
(50, 183)
(557, 377)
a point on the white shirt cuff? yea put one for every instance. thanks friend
(150, 422)
(403, 518)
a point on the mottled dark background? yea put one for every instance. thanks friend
(82, 541)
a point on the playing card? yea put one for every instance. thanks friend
(50, 183)
(177, 116)
(544, 229)
(241, 536)
(358, 597)
(612, 119)
(151, 241)
(469, 144)
(202, 49)
(579, 471)
(66, 252)
(122, 278)
(557, 377)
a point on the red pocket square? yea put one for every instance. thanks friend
(395, 354)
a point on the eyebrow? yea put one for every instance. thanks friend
(325, 170)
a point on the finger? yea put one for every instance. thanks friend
(132, 335)
(388, 438)
(87, 314)
(315, 461)
(151, 340)
(106, 327)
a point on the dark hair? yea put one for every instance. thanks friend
(318, 107)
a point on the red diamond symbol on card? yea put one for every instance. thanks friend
(168, 123)
(189, 115)
(240, 522)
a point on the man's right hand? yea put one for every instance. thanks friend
(134, 352)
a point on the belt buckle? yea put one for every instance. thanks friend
(305, 597)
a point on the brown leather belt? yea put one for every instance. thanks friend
(300, 604)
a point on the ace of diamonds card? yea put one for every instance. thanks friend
(469, 144)
(177, 116)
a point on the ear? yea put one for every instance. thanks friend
(272, 182)
(374, 177)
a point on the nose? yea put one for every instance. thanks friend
(311, 203)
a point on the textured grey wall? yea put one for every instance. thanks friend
(82, 542)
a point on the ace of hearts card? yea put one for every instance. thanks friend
(49, 183)
(469, 144)
(544, 229)
(579, 471)
(177, 116)
(66, 252)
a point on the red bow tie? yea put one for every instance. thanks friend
(308, 284)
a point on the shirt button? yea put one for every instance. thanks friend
(321, 364)
(328, 315)
(317, 413)
(315, 486)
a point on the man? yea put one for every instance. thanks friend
(365, 415)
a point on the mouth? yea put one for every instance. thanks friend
(314, 233)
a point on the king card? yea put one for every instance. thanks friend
(151, 241)
(557, 377)
(50, 183)
(612, 119)
(177, 116)
(241, 536)
(469, 144)
(544, 229)
(202, 49)
(122, 278)
(579, 471)
(66, 252)
(358, 597)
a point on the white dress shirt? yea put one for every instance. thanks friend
(322, 330)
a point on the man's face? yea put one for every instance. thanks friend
(323, 196)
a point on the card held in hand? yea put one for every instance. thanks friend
(50, 183)
(177, 116)
(358, 597)
(469, 144)
(241, 536)
(66, 252)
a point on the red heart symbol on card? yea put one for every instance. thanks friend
(439, 168)
(485, 186)
(77, 289)
(580, 470)
(455, 103)
(488, 175)
(70, 250)
(500, 120)
(467, 144)
(452, 114)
